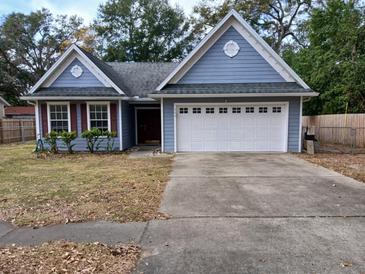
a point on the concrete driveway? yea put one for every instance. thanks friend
(256, 213)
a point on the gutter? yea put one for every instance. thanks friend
(221, 95)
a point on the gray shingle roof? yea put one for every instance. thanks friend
(281, 87)
(142, 78)
(75, 91)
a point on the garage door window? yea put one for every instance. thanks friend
(197, 110)
(209, 110)
(223, 110)
(236, 110)
(183, 110)
(262, 109)
(250, 109)
(276, 109)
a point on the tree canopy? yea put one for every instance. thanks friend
(142, 30)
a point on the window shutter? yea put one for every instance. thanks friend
(44, 119)
(113, 117)
(73, 114)
(83, 117)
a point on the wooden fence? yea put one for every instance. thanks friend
(344, 129)
(13, 130)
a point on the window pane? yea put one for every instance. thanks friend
(58, 118)
(99, 117)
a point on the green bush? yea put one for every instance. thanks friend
(51, 140)
(92, 137)
(110, 135)
(67, 138)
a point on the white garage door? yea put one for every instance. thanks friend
(240, 127)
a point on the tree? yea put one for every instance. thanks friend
(278, 22)
(29, 46)
(334, 61)
(142, 30)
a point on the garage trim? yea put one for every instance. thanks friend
(286, 103)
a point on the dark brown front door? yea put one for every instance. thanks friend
(148, 126)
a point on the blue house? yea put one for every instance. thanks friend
(231, 93)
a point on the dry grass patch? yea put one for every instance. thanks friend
(79, 187)
(66, 257)
(351, 165)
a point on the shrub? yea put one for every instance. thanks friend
(92, 137)
(110, 135)
(51, 140)
(67, 138)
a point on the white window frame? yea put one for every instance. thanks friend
(107, 103)
(49, 113)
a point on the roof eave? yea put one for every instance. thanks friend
(220, 95)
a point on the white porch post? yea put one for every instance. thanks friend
(37, 129)
(162, 127)
(120, 126)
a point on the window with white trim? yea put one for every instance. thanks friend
(99, 116)
(223, 110)
(197, 110)
(58, 117)
(183, 110)
(250, 109)
(236, 110)
(262, 109)
(276, 109)
(209, 110)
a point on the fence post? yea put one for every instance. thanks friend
(1, 131)
(22, 131)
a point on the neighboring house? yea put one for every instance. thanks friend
(3, 104)
(231, 93)
(22, 112)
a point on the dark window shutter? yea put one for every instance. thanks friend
(44, 119)
(113, 117)
(83, 117)
(73, 114)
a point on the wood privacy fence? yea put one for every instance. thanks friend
(344, 129)
(13, 130)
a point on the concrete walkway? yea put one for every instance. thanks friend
(238, 213)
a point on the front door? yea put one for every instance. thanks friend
(148, 126)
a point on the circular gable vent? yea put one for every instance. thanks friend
(76, 71)
(231, 49)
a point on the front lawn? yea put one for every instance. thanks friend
(66, 257)
(79, 187)
(351, 165)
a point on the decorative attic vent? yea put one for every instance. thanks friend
(76, 71)
(231, 48)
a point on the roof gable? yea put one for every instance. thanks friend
(233, 19)
(86, 79)
(99, 69)
(248, 66)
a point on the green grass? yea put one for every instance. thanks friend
(79, 187)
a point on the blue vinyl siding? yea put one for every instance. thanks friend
(293, 126)
(248, 66)
(127, 125)
(87, 79)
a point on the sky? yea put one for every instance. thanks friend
(86, 9)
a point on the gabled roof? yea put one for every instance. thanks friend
(233, 18)
(101, 69)
(4, 101)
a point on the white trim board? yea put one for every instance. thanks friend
(233, 18)
(83, 59)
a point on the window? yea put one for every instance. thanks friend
(209, 110)
(58, 117)
(262, 109)
(276, 109)
(183, 110)
(223, 110)
(99, 116)
(236, 110)
(197, 110)
(250, 109)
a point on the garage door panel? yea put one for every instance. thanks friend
(232, 127)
